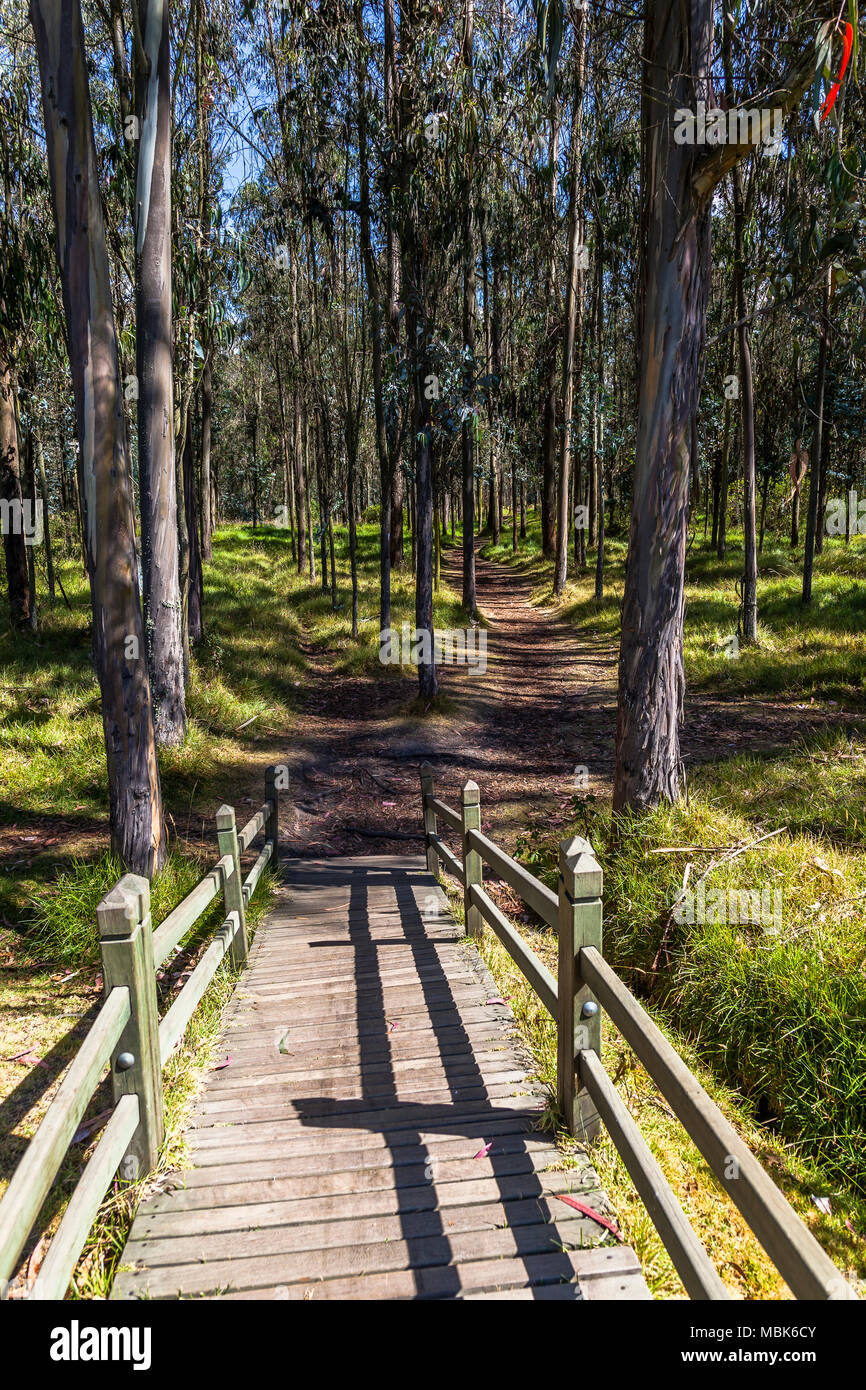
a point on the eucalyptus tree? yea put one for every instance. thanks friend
(154, 369)
(679, 182)
(137, 829)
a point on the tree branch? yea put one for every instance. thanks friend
(710, 170)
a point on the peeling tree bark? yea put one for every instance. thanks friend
(156, 443)
(676, 192)
(137, 831)
(677, 40)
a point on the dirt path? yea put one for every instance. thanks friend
(532, 729)
(519, 728)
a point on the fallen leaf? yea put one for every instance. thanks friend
(482, 1153)
(35, 1261)
(825, 868)
(823, 1204)
(89, 1126)
(221, 1066)
(593, 1215)
(28, 1060)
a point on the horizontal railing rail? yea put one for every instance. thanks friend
(585, 984)
(129, 1039)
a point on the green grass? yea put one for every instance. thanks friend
(726, 995)
(267, 628)
(742, 1263)
(265, 625)
(813, 653)
(781, 1016)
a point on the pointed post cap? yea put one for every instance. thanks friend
(225, 818)
(471, 794)
(580, 870)
(123, 907)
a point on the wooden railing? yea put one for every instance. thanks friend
(585, 985)
(128, 1037)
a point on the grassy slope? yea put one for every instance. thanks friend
(265, 625)
(778, 1019)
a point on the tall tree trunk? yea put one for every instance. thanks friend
(675, 273)
(817, 440)
(205, 450)
(11, 502)
(599, 559)
(470, 602)
(394, 261)
(137, 830)
(156, 442)
(822, 486)
(747, 390)
(28, 487)
(414, 285)
(548, 439)
(302, 492)
(301, 434)
(573, 307)
(46, 520)
(377, 313)
(722, 534)
(195, 601)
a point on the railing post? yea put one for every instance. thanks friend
(470, 814)
(276, 780)
(429, 819)
(579, 1021)
(233, 891)
(126, 942)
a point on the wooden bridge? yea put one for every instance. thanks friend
(377, 1129)
(374, 1135)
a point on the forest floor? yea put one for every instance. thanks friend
(279, 678)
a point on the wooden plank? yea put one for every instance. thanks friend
(533, 893)
(56, 1269)
(443, 1282)
(218, 1209)
(253, 826)
(29, 1184)
(175, 926)
(267, 1071)
(208, 1145)
(256, 871)
(233, 895)
(578, 1022)
(531, 1275)
(804, 1265)
(126, 947)
(445, 812)
(534, 970)
(308, 1184)
(689, 1257)
(453, 1158)
(374, 1135)
(449, 859)
(352, 1258)
(206, 1237)
(174, 1024)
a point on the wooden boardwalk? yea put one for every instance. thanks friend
(340, 1154)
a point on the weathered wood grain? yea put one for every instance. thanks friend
(375, 1133)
